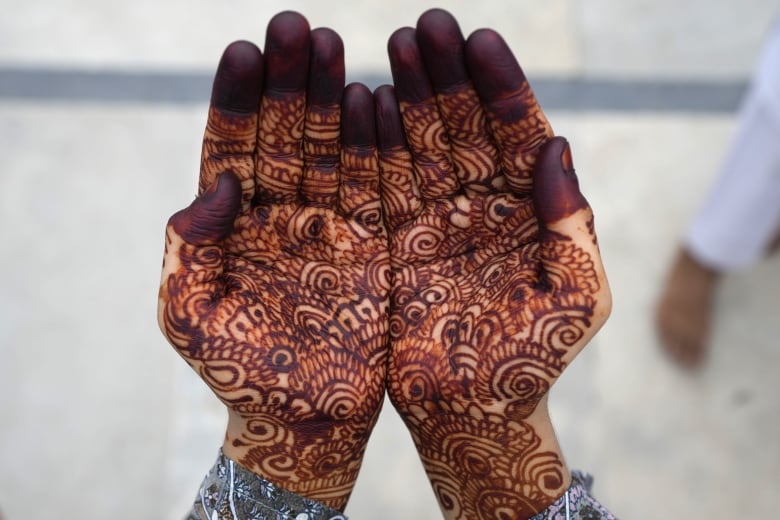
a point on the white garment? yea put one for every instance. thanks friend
(741, 216)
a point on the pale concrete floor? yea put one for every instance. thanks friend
(100, 419)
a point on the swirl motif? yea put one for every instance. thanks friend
(559, 332)
(278, 465)
(542, 469)
(397, 326)
(377, 274)
(307, 225)
(203, 260)
(519, 379)
(366, 216)
(282, 358)
(426, 127)
(315, 321)
(499, 210)
(503, 503)
(225, 376)
(266, 430)
(474, 160)
(322, 277)
(414, 312)
(417, 384)
(424, 241)
(447, 493)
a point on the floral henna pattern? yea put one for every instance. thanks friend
(478, 339)
(520, 139)
(279, 160)
(275, 280)
(296, 350)
(474, 160)
(427, 129)
(228, 144)
(497, 282)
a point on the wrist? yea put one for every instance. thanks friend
(319, 463)
(539, 421)
(482, 463)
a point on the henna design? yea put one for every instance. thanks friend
(521, 140)
(474, 159)
(430, 156)
(229, 142)
(473, 444)
(496, 279)
(295, 338)
(516, 121)
(321, 154)
(280, 303)
(279, 160)
(228, 145)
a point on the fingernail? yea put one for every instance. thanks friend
(566, 161)
(556, 187)
(214, 186)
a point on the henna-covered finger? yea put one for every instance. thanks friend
(556, 192)
(518, 125)
(425, 131)
(474, 157)
(400, 193)
(280, 128)
(359, 183)
(568, 248)
(323, 116)
(231, 129)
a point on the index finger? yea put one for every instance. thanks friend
(279, 167)
(230, 137)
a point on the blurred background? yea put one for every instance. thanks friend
(102, 108)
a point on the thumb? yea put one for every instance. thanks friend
(209, 219)
(569, 253)
(556, 191)
(193, 261)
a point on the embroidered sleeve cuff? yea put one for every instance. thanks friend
(231, 492)
(576, 503)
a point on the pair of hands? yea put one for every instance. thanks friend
(429, 239)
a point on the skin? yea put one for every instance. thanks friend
(299, 294)
(685, 308)
(684, 311)
(275, 280)
(497, 278)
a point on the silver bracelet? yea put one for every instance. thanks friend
(232, 492)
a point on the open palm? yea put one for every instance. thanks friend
(275, 279)
(497, 278)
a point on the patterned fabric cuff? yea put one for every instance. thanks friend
(576, 503)
(232, 492)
